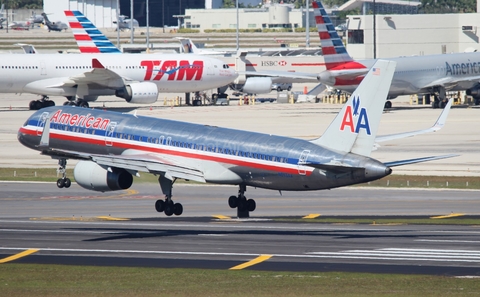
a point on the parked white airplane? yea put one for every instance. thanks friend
(138, 78)
(113, 146)
(429, 74)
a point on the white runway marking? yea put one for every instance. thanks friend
(380, 254)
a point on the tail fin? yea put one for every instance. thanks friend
(88, 37)
(355, 127)
(188, 46)
(334, 51)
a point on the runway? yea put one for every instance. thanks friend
(62, 227)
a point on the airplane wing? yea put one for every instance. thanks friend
(134, 163)
(449, 82)
(437, 126)
(99, 75)
(282, 74)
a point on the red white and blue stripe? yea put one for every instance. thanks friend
(334, 52)
(88, 37)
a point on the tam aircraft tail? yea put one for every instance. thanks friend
(89, 38)
(355, 127)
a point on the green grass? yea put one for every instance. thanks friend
(394, 181)
(59, 280)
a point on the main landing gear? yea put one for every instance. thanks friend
(244, 206)
(78, 102)
(41, 103)
(63, 182)
(168, 206)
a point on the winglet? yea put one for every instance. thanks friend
(97, 64)
(355, 127)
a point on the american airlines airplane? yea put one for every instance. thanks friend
(138, 78)
(113, 146)
(429, 75)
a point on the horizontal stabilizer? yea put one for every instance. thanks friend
(437, 126)
(418, 160)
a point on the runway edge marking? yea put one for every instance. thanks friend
(255, 261)
(18, 256)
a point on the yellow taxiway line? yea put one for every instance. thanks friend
(222, 217)
(311, 216)
(18, 256)
(109, 218)
(257, 260)
(452, 215)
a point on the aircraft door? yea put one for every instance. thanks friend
(109, 133)
(43, 68)
(302, 161)
(41, 123)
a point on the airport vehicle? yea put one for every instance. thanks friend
(113, 146)
(281, 86)
(429, 74)
(54, 26)
(138, 78)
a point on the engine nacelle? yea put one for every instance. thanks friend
(474, 92)
(91, 176)
(257, 85)
(142, 93)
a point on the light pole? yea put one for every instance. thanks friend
(374, 30)
(307, 29)
(131, 21)
(238, 41)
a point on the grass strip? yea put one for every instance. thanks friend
(394, 181)
(61, 280)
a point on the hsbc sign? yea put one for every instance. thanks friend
(274, 63)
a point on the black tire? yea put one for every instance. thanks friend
(279, 89)
(84, 104)
(177, 209)
(169, 209)
(60, 183)
(160, 205)
(232, 201)
(289, 88)
(31, 105)
(66, 103)
(50, 103)
(388, 104)
(242, 204)
(251, 205)
(38, 105)
(68, 183)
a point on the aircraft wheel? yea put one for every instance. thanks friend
(67, 183)
(388, 104)
(60, 183)
(160, 205)
(251, 205)
(31, 105)
(242, 204)
(169, 209)
(177, 209)
(83, 104)
(50, 103)
(232, 201)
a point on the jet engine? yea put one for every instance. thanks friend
(143, 93)
(91, 176)
(257, 85)
(475, 93)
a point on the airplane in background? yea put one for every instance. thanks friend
(125, 23)
(112, 147)
(428, 75)
(19, 25)
(190, 48)
(36, 19)
(55, 26)
(138, 78)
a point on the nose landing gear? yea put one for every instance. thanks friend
(63, 182)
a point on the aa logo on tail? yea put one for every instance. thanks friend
(355, 119)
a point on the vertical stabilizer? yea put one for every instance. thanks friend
(334, 52)
(89, 38)
(355, 127)
(188, 46)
